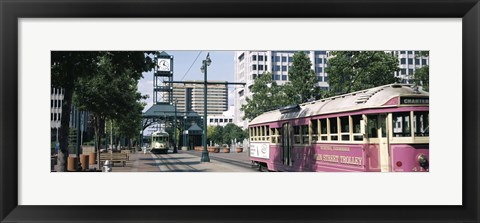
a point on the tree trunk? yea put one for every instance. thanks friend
(98, 136)
(65, 124)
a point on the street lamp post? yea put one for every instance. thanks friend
(205, 64)
(175, 150)
(184, 144)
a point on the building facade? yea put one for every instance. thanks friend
(250, 64)
(56, 102)
(221, 120)
(190, 97)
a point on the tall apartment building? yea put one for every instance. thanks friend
(190, 97)
(409, 61)
(250, 64)
(56, 102)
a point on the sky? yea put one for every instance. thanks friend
(221, 69)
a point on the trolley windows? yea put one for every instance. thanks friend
(275, 135)
(357, 134)
(345, 128)
(296, 134)
(333, 129)
(260, 133)
(372, 126)
(401, 124)
(421, 123)
(314, 130)
(323, 130)
(305, 136)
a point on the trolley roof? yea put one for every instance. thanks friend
(159, 133)
(365, 99)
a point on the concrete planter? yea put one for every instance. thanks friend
(239, 149)
(226, 150)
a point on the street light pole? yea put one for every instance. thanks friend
(206, 63)
(184, 144)
(175, 150)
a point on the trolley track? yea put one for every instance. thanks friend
(226, 160)
(168, 163)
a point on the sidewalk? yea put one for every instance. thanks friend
(174, 162)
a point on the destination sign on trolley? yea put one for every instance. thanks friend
(413, 101)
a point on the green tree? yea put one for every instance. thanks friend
(350, 71)
(422, 75)
(302, 85)
(215, 134)
(232, 132)
(88, 75)
(111, 93)
(267, 95)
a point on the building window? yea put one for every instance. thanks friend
(276, 77)
(402, 52)
(277, 58)
(325, 79)
(410, 71)
(424, 61)
(417, 61)
(320, 78)
(403, 71)
(410, 61)
(260, 58)
(403, 61)
(322, 52)
(254, 57)
(254, 67)
(211, 120)
(221, 120)
(319, 69)
(230, 120)
(410, 52)
(284, 59)
(266, 67)
(260, 67)
(284, 68)
(290, 59)
(277, 68)
(284, 77)
(216, 120)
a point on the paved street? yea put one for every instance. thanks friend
(186, 161)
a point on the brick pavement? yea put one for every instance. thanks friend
(183, 161)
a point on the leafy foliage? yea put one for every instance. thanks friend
(225, 135)
(350, 71)
(267, 95)
(303, 81)
(422, 75)
(103, 83)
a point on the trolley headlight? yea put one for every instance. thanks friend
(423, 161)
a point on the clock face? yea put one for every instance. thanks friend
(164, 65)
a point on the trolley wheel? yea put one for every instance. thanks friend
(262, 167)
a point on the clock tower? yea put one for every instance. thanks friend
(163, 92)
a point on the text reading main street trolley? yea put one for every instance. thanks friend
(382, 129)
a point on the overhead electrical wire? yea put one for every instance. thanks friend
(191, 66)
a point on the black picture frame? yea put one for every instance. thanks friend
(11, 11)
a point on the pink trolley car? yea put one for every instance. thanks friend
(382, 129)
